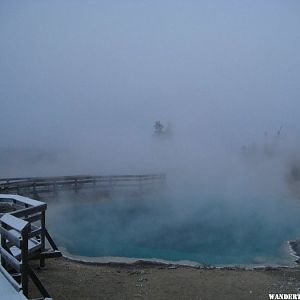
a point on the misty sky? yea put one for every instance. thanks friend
(101, 72)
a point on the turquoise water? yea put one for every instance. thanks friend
(208, 230)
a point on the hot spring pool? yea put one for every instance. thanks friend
(210, 230)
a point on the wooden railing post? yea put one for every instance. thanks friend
(43, 232)
(54, 188)
(76, 186)
(3, 245)
(24, 260)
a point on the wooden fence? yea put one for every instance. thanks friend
(35, 186)
(23, 236)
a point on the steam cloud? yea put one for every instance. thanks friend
(83, 82)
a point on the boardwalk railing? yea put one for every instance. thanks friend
(34, 186)
(23, 236)
(14, 233)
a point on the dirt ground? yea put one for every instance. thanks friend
(67, 279)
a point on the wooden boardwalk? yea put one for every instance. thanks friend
(36, 186)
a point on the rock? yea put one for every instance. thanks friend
(142, 279)
(172, 267)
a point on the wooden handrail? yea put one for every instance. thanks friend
(17, 230)
(34, 186)
(22, 227)
(14, 223)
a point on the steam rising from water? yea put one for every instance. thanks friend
(83, 83)
(201, 227)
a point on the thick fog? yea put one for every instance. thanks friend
(204, 91)
(83, 83)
